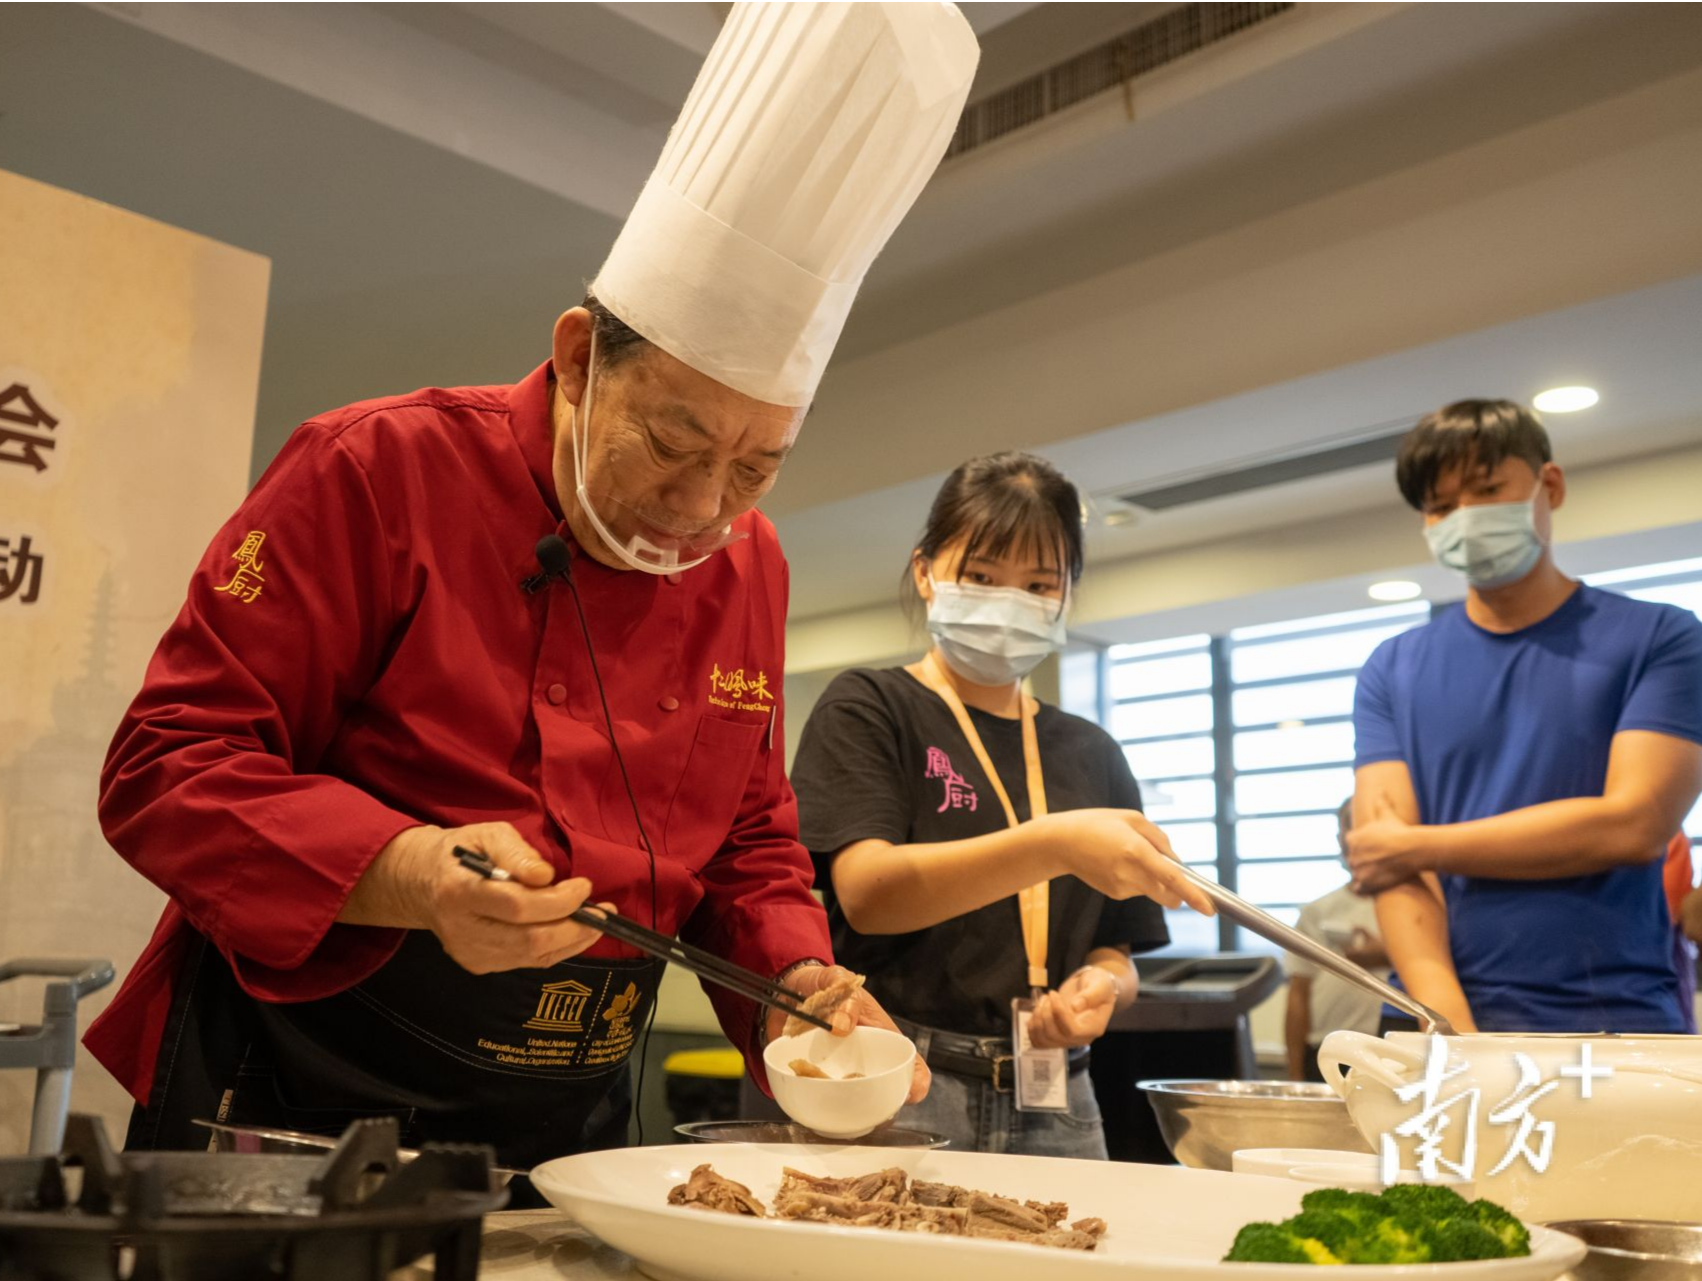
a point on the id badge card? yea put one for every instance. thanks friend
(1042, 1076)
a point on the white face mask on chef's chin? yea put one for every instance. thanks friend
(636, 552)
(993, 635)
(1492, 544)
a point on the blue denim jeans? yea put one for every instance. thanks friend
(977, 1118)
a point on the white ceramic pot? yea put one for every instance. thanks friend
(1632, 1149)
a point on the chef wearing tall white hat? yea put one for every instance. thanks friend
(373, 666)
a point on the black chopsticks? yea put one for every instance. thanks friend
(735, 978)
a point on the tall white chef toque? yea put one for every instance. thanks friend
(810, 132)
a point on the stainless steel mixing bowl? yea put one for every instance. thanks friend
(1206, 1122)
(1636, 1250)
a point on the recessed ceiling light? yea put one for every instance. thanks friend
(1565, 400)
(1395, 589)
(1120, 516)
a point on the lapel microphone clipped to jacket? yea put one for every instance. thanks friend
(555, 560)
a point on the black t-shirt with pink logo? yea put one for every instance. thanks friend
(882, 758)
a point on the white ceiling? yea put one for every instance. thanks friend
(434, 182)
(1321, 99)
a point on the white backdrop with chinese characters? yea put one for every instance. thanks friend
(129, 367)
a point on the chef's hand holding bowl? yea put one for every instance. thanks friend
(893, 1074)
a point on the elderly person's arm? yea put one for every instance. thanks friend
(758, 910)
(213, 787)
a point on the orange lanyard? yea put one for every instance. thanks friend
(1035, 902)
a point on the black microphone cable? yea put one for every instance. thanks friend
(557, 561)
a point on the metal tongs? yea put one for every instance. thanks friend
(1267, 926)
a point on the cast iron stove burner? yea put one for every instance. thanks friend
(355, 1214)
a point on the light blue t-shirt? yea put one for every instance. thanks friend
(1490, 722)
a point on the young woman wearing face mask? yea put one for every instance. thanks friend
(983, 856)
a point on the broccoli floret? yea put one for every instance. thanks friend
(1408, 1223)
(1317, 1252)
(1266, 1243)
(1430, 1202)
(1514, 1236)
(1392, 1240)
(1363, 1208)
(1331, 1230)
(1461, 1239)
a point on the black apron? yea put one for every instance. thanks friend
(532, 1062)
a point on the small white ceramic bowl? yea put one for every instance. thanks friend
(838, 1108)
(1277, 1162)
(1355, 1178)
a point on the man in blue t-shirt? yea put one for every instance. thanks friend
(1523, 759)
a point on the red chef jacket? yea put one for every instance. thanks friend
(356, 657)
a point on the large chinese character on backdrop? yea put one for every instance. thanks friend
(26, 429)
(20, 571)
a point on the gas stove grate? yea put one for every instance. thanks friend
(355, 1214)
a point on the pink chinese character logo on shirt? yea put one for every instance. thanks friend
(959, 794)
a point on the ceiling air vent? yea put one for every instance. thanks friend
(1377, 447)
(1112, 65)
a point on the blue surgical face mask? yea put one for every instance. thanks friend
(993, 635)
(1492, 544)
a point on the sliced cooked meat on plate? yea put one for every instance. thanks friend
(888, 1199)
(707, 1190)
